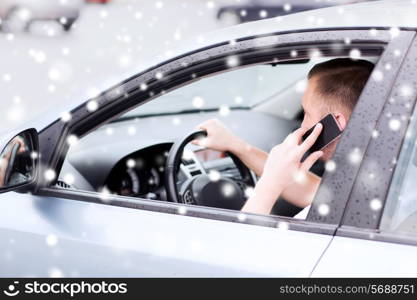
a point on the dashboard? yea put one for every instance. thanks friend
(142, 173)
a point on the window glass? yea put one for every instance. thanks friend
(261, 104)
(244, 87)
(400, 213)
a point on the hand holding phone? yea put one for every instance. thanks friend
(329, 133)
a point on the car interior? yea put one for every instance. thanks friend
(133, 154)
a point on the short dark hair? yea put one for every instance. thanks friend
(340, 81)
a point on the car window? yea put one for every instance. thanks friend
(244, 87)
(400, 212)
(127, 156)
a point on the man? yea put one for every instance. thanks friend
(333, 87)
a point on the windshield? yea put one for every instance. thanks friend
(244, 87)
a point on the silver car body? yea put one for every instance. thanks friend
(53, 236)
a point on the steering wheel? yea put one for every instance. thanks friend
(10, 164)
(225, 192)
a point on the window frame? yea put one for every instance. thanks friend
(367, 225)
(117, 100)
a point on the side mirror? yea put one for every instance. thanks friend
(19, 162)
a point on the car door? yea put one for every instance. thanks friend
(378, 233)
(56, 232)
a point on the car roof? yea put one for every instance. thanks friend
(385, 13)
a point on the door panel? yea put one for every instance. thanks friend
(351, 257)
(43, 236)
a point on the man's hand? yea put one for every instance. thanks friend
(219, 137)
(283, 168)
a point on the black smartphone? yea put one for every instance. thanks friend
(328, 134)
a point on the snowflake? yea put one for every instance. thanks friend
(287, 7)
(373, 32)
(138, 15)
(406, 90)
(224, 110)
(69, 179)
(182, 210)
(198, 102)
(355, 156)
(323, 209)
(51, 240)
(241, 217)
(130, 163)
(55, 273)
(176, 121)
(238, 100)
(7, 77)
(131, 130)
(104, 13)
(143, 87)
(210, 4)
(228, 190)
(232, 61)
(355, 54)
(49, 175)
(377, 75)
(159, 4)
(394, 32)
(72, 139)
(159, 75)
(54, 74)
(249, 192)
(92, 105)
(282, 225)
(375, 204)
(301, 86)
(109, 131)
(394, 124)
(330, 166)
(214, 175)
(66, 117)
(263, 13)
(293, 53)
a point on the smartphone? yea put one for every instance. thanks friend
(329, 133)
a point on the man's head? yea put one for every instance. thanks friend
(334, 87)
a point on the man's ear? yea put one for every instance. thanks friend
(341, 120)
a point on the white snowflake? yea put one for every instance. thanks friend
(232, 61)
(198, 102)
(69, 179)
(324, 209)
(355, 156)
(66, 117)
(49, 175)
(130, 163)
(224, 110)
(394, 124)
(355, 54)
(92, 105)
(241, 217)
(375, 204)
(51, 240)
(214, 175)
(55, 273)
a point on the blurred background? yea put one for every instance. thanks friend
(55, 50)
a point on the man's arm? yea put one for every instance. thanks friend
(284, 169)
(221, 138)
